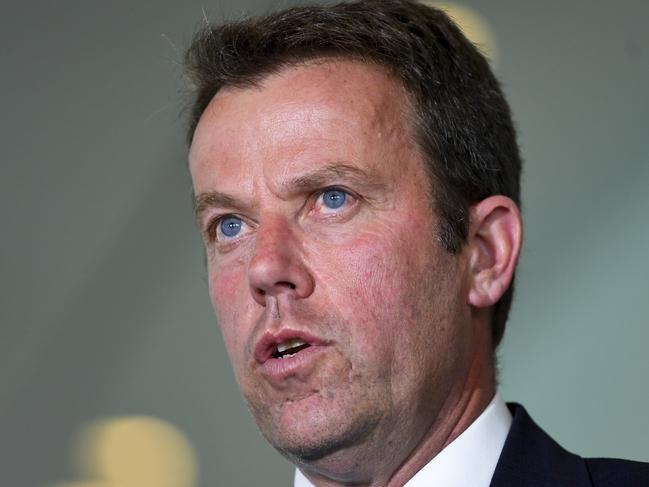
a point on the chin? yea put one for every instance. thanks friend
(311, 431)
(314, 449)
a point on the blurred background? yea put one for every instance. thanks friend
(112, 369)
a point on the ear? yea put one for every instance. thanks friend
(494, 244)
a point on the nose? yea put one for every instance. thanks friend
(277, 266)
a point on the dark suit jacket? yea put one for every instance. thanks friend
(530, 458)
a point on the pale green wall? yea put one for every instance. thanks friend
(103, 304)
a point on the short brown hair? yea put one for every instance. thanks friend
(462, 121)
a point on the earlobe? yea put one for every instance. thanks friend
(495, 238)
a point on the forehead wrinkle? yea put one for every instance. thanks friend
(379, 98)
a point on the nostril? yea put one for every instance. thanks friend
(287, 284)
(290, 285)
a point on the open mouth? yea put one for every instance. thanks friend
(289, 353)
(286, 344)
(289, 348)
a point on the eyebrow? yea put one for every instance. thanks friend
(328, 174)
(311, 181)
(215, 199)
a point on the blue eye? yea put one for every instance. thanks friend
(230, 226)
(334, 198)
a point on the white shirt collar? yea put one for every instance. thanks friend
(469, 460)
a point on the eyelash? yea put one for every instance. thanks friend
(212, 227)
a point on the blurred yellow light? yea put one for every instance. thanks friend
(474, 26)
(134, 451)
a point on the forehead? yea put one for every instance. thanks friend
(303, 115)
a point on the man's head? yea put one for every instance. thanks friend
(461, 120)
(349, 164)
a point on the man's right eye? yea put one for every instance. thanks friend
(230, 226)
(226, 228)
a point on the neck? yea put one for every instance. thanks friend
(460, 410)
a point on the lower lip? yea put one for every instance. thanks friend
(300, 364)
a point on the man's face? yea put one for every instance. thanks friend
(321, 238)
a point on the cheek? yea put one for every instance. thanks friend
(227, 284)
(224, 288)
(399, 299)
(374, 281)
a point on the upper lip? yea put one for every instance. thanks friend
(267, 344)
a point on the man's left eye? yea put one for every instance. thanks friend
(333, 199)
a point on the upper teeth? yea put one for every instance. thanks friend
(282, 347)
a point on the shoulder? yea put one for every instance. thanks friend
(531, 457)
(606, 472)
